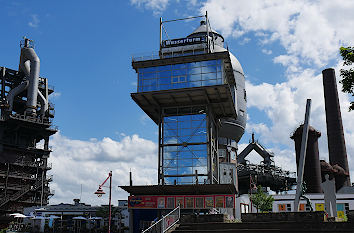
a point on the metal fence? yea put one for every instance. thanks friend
(168, 54)
(165, 223)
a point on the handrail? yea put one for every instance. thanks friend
(162, 221)
(152, 226)
(22, 192)
(46, 121)
(170, 225)
(168, 54)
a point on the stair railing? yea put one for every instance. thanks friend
(22, 192)
(166, 222)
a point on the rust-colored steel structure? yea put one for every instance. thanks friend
(24, 135)
(335, 133)
(312, 171)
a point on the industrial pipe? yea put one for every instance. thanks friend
(28, 55)
(30, 66)
(14, 92)
(44, 103)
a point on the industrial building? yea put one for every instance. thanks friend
(194, 90)
(266, 174)
(25, 128)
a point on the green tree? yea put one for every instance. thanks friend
(348, 74)
(103, 211)
(262, 200)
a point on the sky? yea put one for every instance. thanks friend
(86, 49)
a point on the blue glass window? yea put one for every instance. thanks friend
(195, 70)
(179, 72)
(166, 80)
(208, 63)
(166, 74)
(209, 69)
(167, 67)
(170, 171)
(181, 155)
(148, 69)
(148, 75)
(194, 74)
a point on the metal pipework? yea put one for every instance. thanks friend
(335, 134)
(14, 92)
(44, 103)
(30, 65)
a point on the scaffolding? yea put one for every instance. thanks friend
(24, 146)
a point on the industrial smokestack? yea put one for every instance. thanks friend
(312, 169)
(335, 133)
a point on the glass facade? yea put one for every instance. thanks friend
(185, 145)
(193, 74)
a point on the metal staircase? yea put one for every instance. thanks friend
(23, 191)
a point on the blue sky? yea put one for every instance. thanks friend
(85, 51)
(86, 47)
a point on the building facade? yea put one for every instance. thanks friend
(194, 90)
(285, 203)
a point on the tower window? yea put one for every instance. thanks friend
(179, 79)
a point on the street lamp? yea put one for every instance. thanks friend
(100, 192)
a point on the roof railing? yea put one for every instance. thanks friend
(161, 55)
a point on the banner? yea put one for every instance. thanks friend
(185, 202)
(149, 202)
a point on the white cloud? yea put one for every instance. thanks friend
(267, 51)
(284, 105)
(157, 6)
(310, 30)
(311, 33)
(192, 2)
(245, 41)
(87, 163)
(238, 33)
(286, 60)
(34, 21)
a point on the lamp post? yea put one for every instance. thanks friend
(100, 192)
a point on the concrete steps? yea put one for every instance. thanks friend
(265, 227)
